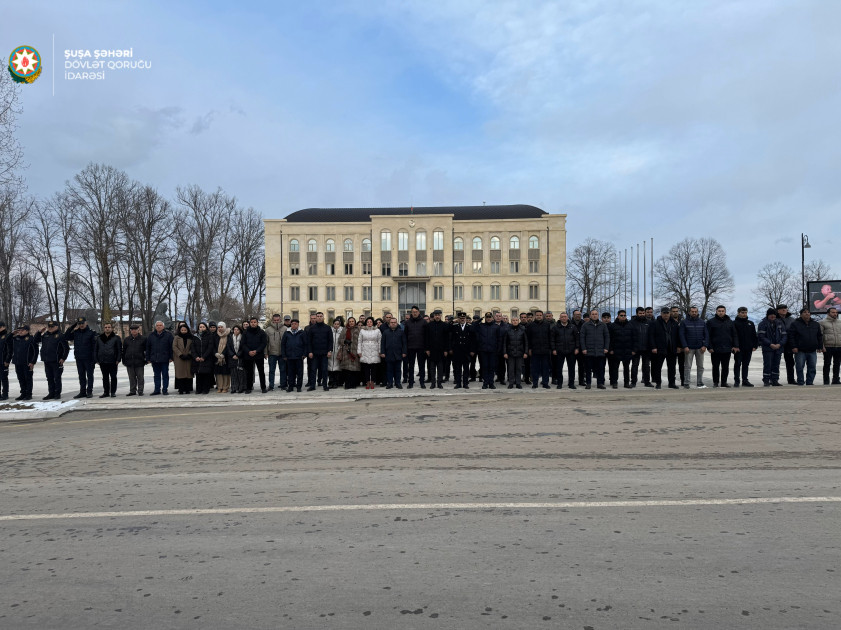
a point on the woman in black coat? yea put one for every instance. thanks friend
(204, 359)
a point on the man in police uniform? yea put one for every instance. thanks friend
(5, 346)
(54, 351)
(84, 346)
(24, 357)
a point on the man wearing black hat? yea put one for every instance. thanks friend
(84, 348)
(4, 362)
(24, 356)
(54, 351)
(463, 348)
(135, 359)
(109, 352)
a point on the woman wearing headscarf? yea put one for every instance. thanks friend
(204, 349)
(350, 355)
(182, 346)
(233, 355)
(334, 360)
(220, 367)
(368, 350)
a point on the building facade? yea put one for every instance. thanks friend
(360, 261)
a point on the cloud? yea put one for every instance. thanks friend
(202, 123)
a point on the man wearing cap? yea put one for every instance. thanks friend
(54, 351)
(24, 357)
(134, 358)
(5, 345)
(463, 348)
(109, 351)
(437, 343)
(664, 344)
(489, 344)
(274, 332)
(84, 348)
(772, 336)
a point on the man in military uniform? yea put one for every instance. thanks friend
(24, 357)
(54, 351)
(84, 348)
(463, 349)
(5, 345)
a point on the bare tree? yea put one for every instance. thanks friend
(29, 295)
(14, 210)
(593, 274)
(694, 273)
(11, 153)
(776, 284)
(248, 256)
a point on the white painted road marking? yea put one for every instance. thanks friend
(423, 506)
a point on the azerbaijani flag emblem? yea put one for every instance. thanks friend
(25, 64)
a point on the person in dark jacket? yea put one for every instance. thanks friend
(622, 349)
(540, 349)
(24, 355)
(254, 340)
(694, 339)
(674, 313)
(806, 339)
(437, 344)
(294, 346)
(723, 343)
(772, 336)
(488, 343)
(204, 357)
(54, 351)
(414, 329)
(643, 353)
(664, 344)
(595, 344)
(233, 358)
(109, 352)
(581, 360)
(392, 352)
(515, 348)
(84, 347)
(320, 341)
(134, 359)
(159, 354)
(5, 347)
(748, 342)
(501, 364)
(565, 346)
(463, 348)
(787, 319)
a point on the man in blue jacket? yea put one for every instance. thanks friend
(294, 347)
(393, 351)
(320, 341)
(772, 336)
(159, 354)
(695, 340)
(84, 349)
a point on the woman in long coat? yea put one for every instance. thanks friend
(204, 349)
(368, 350)
(334, 361)
(350, 355)
(182, 358)
(220, 362)
(233, 357)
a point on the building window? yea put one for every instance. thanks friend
(514, 242)
(420, 240)
(421, 269)
(438, 269)
(385, 241)
(514, 313)
(331, 315)
(534, 266)
(330, 245)
(312, 246)
(348, 269)
(295, 294)
(458, 244)
(403, 241)
(477, 266)
(514, 266)
(513, 291)
(366, 269)
(330, 269)
(495, 266)
(458, 268)
(348, 245)
(312, 294)
(534, 291)
(348, 294)
(296, 315)
(295, 269)
(386, 269)
(312, 269)
(438, 240)
(534, 242)
(458, 292)
(403, 269)
(495, 292)
(294, 245)
(367, 293)
(495, 242)
(330, 294)
(477, 291)
(386, 293)
(477, 242)
(438, 292)
(366, 244)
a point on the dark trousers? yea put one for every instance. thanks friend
(832, 356)
(248, 364)
(741, 361)
(406, 369)
(581, 359)
(595, 369)
(54, 372)
(294, 373)
(420, 356)
(472, 362)
(614, 362)
(135, 379)
(160, 373)
(488, 362)
(644, 357)
(369, 372)
(721, 363)
(318, 372)
(85, 370)
(501, 365)
(24, 378)
(680, 361)
(4, 380)
(771, 365)
(788, 355)
(461, 369)
(392, 372)
(569, 359)
(539, 369)
(657, 360)
(436, 370)
(527, 369)
(515, 369)
(448, 361)
(276, 362)
(109, 377)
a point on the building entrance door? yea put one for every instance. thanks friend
(411, 294)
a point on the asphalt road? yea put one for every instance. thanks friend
(618, 510)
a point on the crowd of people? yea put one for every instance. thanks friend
(534, 350)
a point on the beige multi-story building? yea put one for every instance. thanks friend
(360, 261)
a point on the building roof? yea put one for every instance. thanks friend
(460, 213)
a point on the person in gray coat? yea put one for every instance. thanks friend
(595, 344)
(134, 358)
(515, 349)
(108, 352)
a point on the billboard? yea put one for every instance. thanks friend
(823, 294)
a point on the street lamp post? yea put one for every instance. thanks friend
(804, 245)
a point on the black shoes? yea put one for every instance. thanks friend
(747, 384)
(80, 395)
(572, 386)
(397, 385)
(673, 387)
(601, 387)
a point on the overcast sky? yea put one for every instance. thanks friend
(637, 119)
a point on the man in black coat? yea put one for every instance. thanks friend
(663, 343)
(24, 355)
(564, 341)
(414, 329)
(806, 339)
(254, 341)
(54, 351)
(622, 349)
(540, 349)
(788, 319)
(489, 344)
(159, 354)
(108, 353)
(643, 354)
(320, 343)
(515, 348)
(580, 359)
(463, 348)
(392, 352)
(437, 343)
(723, 342)
(747, 343)
(5, 345)
(134, 358)
(84, 347)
